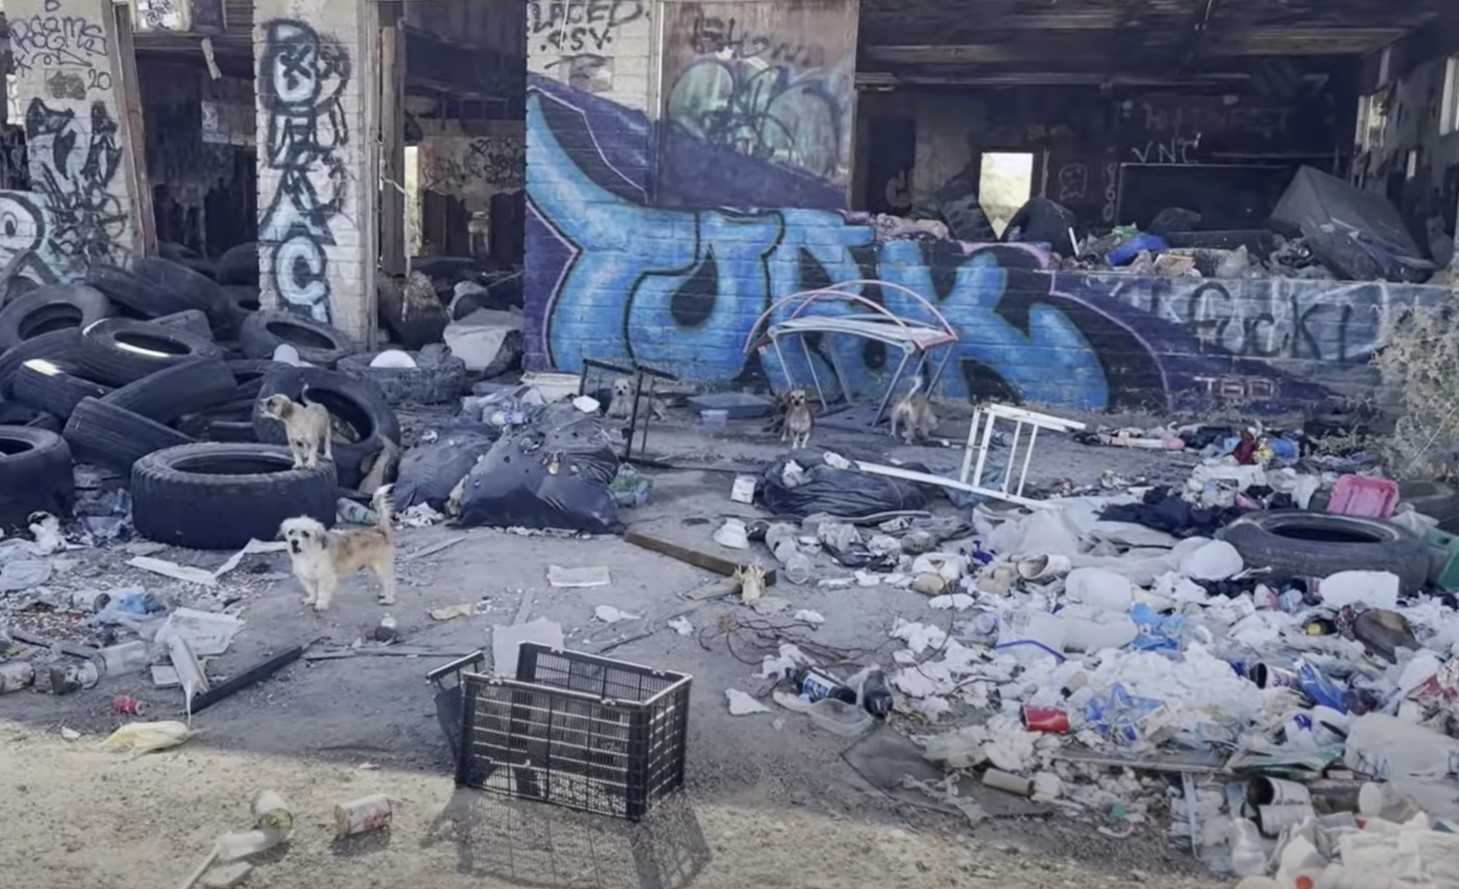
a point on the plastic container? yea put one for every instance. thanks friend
(797, 568)
(840, 718)
(1027, 633)
(1087, 631)
(1361, 495)
(1099, 588)
(125, 658)
(1443, 559)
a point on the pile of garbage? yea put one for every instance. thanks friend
(1267, 651)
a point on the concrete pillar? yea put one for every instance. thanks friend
(67, 84)
(318, 193)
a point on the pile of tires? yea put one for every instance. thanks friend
(156, 372)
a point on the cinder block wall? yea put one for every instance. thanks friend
(627, 256)
(78, 212)
(316, 181)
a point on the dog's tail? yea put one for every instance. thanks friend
(384, 506)
(917, 383)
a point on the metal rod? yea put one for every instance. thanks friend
(1012, 453)
(962, 475)
(1033, 436)
(983, 451)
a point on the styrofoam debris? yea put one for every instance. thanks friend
(681, 626)
(741, 704)
(781, 665)
(1376, 589)
(919, 637)
(393, 359)
(811, 617)
(610, 615)
(1099, 588)
(578, 578)
(957, 601)
(1217, 560)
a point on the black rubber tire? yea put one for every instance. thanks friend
(215, 495)
(358, 402)
(192, 321)
(142, 297)
(428, 383)
(319, 344)
(239, 265)
(110, 436)
(1283, 540)
(58, 345)
(243, 301)
(35, 474)
(13, 413)
(103, 357)
(181, 389)
(200, 291)
(56, 307)
(232, 421)
(1434, 499)
(55, 387)
(249, 373)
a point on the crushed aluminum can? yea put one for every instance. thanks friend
(127, 705)
(362, 815)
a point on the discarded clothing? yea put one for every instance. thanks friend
(1172, 515)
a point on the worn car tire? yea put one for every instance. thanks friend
(173, 391)
(232, 421)
(193, 321)
(319, 344)
(430, 382)
(55, 387)
(121, 350)
(359, 403)
(136, 294)
(51, 308)
(110, 436)
(1297, 543)
(242, 302)
(249, 373)
(58, 345)
(200, 291)
(35, 474)
(239, 265)
(13, 413)
(219, 496)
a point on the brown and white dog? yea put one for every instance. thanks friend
(306, 427)
(321, 556)
(800, 420)
(914, 415)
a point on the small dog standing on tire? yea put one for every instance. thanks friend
(914, 415)
(799, 420)
(306, 426)
(320, 556)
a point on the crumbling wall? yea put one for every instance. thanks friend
(65, 62)
(316, 194)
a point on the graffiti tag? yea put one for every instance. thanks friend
(575, 26)
(74, 164)
(52, 41)
(301, 80)
(724, 37)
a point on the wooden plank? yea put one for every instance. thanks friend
(698, 558)
(392, 141)
(129, 98)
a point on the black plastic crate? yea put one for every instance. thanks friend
(576, 730)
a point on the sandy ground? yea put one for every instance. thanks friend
(769, 802)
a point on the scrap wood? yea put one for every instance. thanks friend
(698, 558)
(432, 549)
(257, 673)
(330, 654)
(70, 648)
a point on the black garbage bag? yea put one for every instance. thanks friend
(552, 472)
(1042, 221)
(845, 493)
(428, 472)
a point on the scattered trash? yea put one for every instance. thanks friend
(741, 704)
(805, 615)
(732, 534)
(682, 626)
(743, 490)
(505, 641)
(147, 737)
(464, 609)
(610, 615)
(578, 578)
(185, 573)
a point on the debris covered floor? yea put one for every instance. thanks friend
(770, 792)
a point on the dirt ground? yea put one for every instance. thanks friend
(769, 801)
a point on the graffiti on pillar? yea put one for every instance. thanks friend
(74, 163)
(50, 40)
(300, 83)
(23, 246)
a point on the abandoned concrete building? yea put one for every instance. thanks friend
(644, 178)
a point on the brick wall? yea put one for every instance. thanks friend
(316, 188)
(79, 212)
(615, 268)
